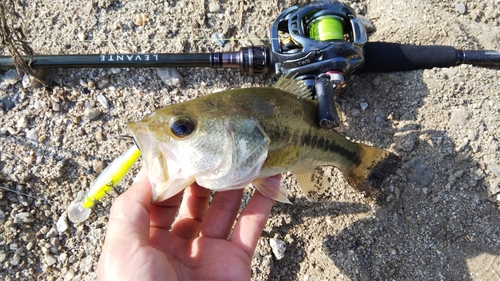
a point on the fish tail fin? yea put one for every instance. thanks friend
(374, 165)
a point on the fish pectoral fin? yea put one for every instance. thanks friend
(268, 187)
(314, 184)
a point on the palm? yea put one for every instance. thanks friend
(143, 244)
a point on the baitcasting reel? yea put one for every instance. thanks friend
(322, 43)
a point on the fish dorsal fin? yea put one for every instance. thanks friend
(314, 184)
(288, 84)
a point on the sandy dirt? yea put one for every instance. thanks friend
(439, 217)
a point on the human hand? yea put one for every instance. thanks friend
(143, 242)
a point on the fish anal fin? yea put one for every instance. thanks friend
(373, 167)
(314, 184)
(270, 188)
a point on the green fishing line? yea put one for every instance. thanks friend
(326, 28)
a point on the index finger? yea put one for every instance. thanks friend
(253, 219)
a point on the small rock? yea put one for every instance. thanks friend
(170, 76)
(103, 101)
(278, 246)
(24, 217)
(15, 260)
(367, 24)
(364, 105)
(77, 120)
(13, 247)
(219, 39)
(32, 135)
(213, 7)
(29, 159)
(91, 114)
(11, 77)
(115, 70)
(51, 234)
(3, 256)
(56, 106)
(98, 165)
(461, 8)
(495, 169)
(98, 135)
(63, 257)
(418, 172)
(459, 117)
(405, 141)
(356, 112)
(49, 260)
(81, 36)
(6, 103)
(62, 224)
(2, 215)
(140, 19)
(22, 122)
(102, 83)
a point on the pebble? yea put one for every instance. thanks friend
(214, 7)
(3, 256)
(459, 117)
(219, 39)
(461, 8)
(91, 114)
(364, 105)
(11, 77)
(140, 19)
(418, 172)
(103, 101)
(32, 135)
(62, 224)
(495, 169)
(358, 8)
(49, 260)
(52, 233)
(2, 215)
(98, 165)
(356, 112)
(102, 83)
(56, 106)
(6, 103)
(22, 122)
(24, 217)
(115, 70)
(15, 260)
(278, 247)
(170, 76)
(367, 24)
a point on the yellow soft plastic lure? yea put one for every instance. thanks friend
(109, 178)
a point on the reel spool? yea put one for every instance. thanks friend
(323, 43)
(321, 37)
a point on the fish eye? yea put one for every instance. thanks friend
(182, 127)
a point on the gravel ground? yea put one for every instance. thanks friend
(438, 220)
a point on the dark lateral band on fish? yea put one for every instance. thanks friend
(243, 136)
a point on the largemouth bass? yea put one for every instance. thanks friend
(232, 138)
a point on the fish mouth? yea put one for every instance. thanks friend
(162, 166)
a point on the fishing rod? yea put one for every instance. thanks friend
(318, 43)
(322, 43)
